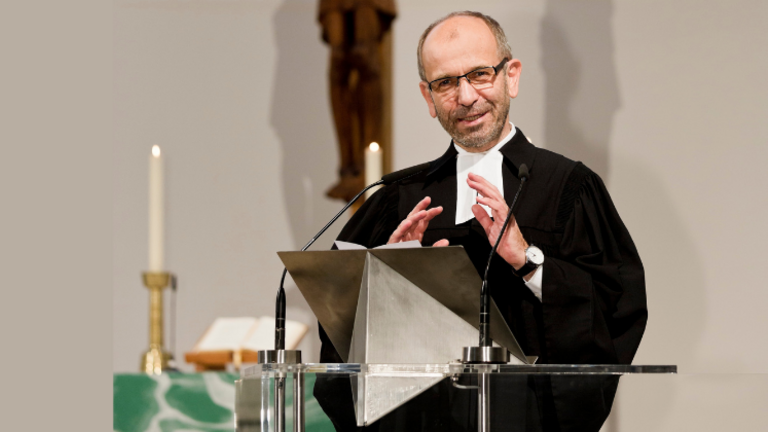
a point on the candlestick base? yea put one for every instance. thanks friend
(155, 361)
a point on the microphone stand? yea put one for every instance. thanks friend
(282, 356)
(485, 354)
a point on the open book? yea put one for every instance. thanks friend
(236, 340)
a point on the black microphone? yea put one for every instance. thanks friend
(280, 300)
(485, 295)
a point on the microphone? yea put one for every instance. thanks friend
(280, 300)
(485, 296)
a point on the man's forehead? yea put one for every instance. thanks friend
(458, 43)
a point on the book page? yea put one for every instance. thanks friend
(226, 334)
(263, 338)
(294, 333)
(342, 245)
(402, 245)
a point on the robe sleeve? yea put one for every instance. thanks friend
(375, 220)
(594, 304)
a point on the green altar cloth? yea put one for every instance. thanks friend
(191, 402)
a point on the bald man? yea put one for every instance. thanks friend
(566, 277)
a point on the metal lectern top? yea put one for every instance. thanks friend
(330, 281)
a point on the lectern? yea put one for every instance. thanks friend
(399, 318)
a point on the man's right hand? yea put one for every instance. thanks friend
(413, 226)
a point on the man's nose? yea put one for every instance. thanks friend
(467, 93)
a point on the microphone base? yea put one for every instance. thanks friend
(279, 356)
(484, 355)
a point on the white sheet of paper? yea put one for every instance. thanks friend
(342, 245)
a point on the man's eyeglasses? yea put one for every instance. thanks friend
(479, 78)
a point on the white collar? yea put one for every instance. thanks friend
(486, 164)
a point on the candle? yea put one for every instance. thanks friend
(373, 166)
(156, 215)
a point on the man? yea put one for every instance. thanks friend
(585, 303)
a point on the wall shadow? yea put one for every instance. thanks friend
(676, 291)
(581, 89)
(302, 121)
(581, 99)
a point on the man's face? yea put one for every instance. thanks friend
(475, 119)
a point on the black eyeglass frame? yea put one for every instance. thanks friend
(466, 75)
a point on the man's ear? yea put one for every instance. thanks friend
(514, 67)
(424, 87)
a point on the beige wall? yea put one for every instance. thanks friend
(665, 99)
(234, 93)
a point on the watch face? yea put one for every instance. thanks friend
(534, 255)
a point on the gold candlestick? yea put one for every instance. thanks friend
(155, 360)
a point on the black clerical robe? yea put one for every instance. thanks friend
(593, 307)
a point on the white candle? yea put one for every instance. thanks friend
(373, 166)
(156, 214)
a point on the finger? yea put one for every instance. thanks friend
(483, 186)
(431, 213)
(483, 218)
(399, 232)
(485, 189)
(441, 243)
(499, 208)
(418, 230)
(404, 231)
(422, 205)
(416, 220)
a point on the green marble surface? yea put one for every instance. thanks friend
(190, 402)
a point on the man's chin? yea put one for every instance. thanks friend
(476, 138)
(471, 142)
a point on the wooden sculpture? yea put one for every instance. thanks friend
(354, 29)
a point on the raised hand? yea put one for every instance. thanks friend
(513, 245)
(414, 225)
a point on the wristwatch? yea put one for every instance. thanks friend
(534, 257)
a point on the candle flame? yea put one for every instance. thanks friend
(374, 146)
(156, 151)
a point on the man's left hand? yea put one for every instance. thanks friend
(512, 246)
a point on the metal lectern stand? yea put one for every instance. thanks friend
(397, 306)
(418, 305)
(400, 319)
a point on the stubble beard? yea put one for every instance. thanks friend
(479, 136)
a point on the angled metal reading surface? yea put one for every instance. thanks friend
(330, 282)
(448, 275)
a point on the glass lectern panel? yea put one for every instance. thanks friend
(444, 397)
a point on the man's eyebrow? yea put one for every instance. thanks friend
(443, 76)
